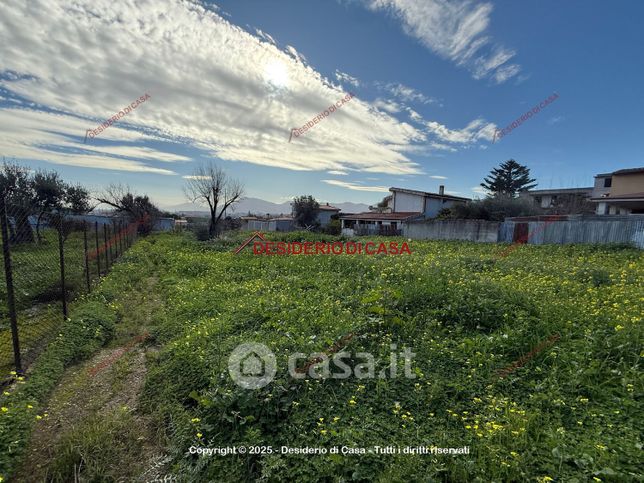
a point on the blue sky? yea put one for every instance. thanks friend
(228, 80)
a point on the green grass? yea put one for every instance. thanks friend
(84, 454)
(568, 413)
(37, 288)
(91, 324)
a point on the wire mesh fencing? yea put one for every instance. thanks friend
(49, 258)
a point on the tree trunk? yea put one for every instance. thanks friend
(24, 233)
(38, 226)
(212, 228)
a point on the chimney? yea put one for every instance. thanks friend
(441, 190)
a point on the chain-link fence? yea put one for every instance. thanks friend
(48, 259)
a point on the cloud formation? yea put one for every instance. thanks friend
(455, 30)
(355, 186)
(230, 93)
(405, 93)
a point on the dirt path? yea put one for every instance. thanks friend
(93, 426)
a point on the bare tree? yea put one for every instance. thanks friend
(139, 207)
(210, 184)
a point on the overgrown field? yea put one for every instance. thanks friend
(467, 311)
(530, 356)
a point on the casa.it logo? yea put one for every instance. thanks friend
(252, 366)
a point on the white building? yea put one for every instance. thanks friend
(401, 206)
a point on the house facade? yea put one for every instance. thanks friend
(403, 205)
(285, 222)
(620, 192)
(563, 201)
(277, 223)
(325, 214)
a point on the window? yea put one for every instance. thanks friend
(608, 182)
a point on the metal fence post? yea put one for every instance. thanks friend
(62, 266)
(113, 240)
(8, 273)
(87, 278)
(121, 235)
(107, 253)
(98, 255)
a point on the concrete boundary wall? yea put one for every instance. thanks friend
(472, 230)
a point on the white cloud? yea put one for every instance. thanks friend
(337, 172)
(344, 77)
(438, 177)
(455, 30)
(385, 105)
(192, 176)
(479, 191)
(29, 134)
(413, 115)
(355, 186)
(555, 120)
(475, 130)
(405, 93)
(230, 93)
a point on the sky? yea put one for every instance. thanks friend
(431, 80)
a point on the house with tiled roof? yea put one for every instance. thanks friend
(402, 205)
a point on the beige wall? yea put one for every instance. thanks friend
(625, 184)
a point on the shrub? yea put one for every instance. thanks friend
(333, 228)
(494, 209)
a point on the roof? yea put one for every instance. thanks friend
(369, 215)
(627, 196)
(557, 191)
(621, 172)
(430, 195)
(328, 207)
(629, 171)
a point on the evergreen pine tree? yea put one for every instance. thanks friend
(508, 179)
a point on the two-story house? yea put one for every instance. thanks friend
(620, 192)
(401, 206)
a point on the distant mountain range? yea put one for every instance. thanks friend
(258, 206)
